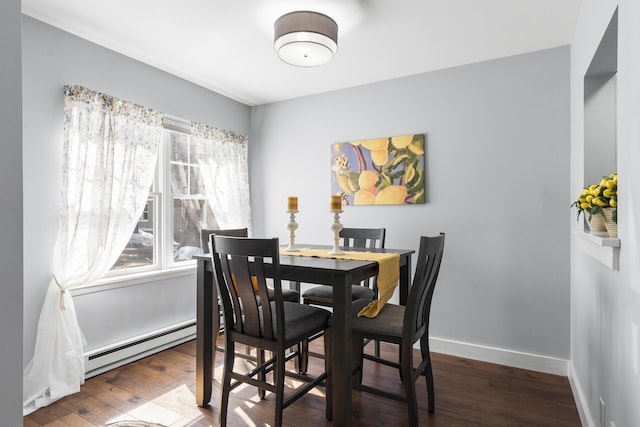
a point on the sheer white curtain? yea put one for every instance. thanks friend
(110, 151)
(223, 160)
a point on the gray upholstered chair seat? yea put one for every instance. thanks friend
(325, 293)
(388, 322)
(301, 320)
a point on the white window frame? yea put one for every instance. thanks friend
(165, 266)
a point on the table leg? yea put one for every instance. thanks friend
(341, 332)
(405, 280)
(207, 326)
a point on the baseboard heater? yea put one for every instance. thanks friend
(118, 354)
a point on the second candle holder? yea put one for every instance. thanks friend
(292, 226)
(336, 227)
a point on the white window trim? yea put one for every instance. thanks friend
(166, 267)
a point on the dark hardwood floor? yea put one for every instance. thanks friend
(161, 389)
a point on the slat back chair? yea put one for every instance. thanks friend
(240, 265)
(288, 294)
(322, 295)
(351, 238)
(403, 326)
(205, 236)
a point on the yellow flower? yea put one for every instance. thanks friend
(594, 197)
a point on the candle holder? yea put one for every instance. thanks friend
(292, 226)
(336, 227)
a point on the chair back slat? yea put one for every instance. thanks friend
(239, 265)
(421, 293)
(267, 318)
(230, 300)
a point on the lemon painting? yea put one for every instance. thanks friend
(382, 171)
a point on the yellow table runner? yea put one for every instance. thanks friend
(388, 272)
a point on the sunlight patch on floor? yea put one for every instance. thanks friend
(168, 409)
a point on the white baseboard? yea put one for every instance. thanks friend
(118, 354)
(578, 395)
(533, 362)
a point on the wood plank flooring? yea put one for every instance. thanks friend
(161, 389)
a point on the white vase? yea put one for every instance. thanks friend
(611, 226)
(596, 223)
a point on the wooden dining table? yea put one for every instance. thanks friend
(338, 273)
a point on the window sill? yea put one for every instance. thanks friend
(115, 282)
(603, 249)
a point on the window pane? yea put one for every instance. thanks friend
(196, 186)
(140, 249)
(192, 152)
(179, 180)
(179, 147)
(189, 217)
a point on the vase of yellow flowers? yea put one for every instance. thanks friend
(599, 202)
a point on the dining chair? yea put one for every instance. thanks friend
(401, 325)
(322, 295)
(240, 266)
(360, 238)
(288, 294)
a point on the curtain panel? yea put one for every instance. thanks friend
(110, 151)
(224, 165)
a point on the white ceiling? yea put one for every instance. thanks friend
(227, 45)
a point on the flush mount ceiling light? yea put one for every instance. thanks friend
(305, 38)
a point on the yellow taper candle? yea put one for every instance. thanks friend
(292, 203)
(336, 202)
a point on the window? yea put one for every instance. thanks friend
(168, 232)
(189, 207)
(139, 186)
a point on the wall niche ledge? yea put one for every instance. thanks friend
(603, 249)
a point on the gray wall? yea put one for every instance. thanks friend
(605, 303)
(10, 216)
(51, 59)
(497, 158)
